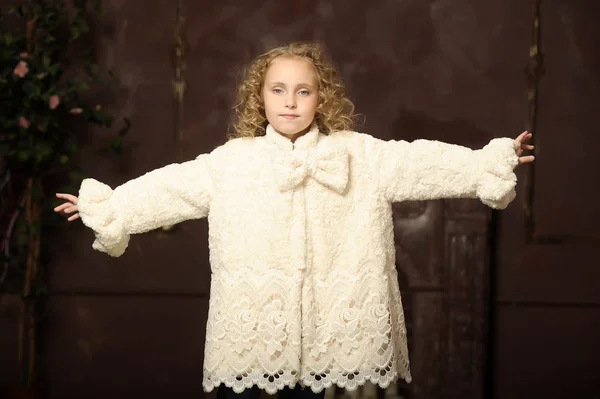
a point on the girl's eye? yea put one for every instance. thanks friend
(277, 91)
(304, 92)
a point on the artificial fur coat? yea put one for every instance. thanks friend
(304, 287)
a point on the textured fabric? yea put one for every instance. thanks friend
(304, 287)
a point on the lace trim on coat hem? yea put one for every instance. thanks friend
(316, 382)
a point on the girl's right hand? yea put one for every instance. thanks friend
(68, 207)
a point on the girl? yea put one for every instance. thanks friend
(304, 286)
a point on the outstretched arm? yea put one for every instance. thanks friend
(425, 170)
(164, 196)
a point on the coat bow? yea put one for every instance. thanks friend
(326, 164)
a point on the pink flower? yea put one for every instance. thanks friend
(76, 111)
(21, 69)
(23, 122)
(54, 101)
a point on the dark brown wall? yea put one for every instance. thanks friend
(450, 70)
(548, 299)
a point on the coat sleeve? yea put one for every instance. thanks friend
(425, 170)
(162, 197)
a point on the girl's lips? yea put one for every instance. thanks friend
(289, 116)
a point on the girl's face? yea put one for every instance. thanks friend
(290, 95)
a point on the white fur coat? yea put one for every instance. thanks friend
(304, 287)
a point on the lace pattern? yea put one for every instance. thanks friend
(351, 340)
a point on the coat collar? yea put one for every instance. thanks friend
(305, 141)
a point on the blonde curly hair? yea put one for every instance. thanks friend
(335, 112)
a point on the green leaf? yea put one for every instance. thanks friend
(8, 39)
(49, 39)
(71, 145)
(23, 156)
(76, 175)
(125, 129)
(117, 145)
(43, 151)
(98, 7)
(93, 69)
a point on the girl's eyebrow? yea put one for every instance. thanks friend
(298, 85)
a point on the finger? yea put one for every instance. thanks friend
(74, 217)
(68, 197)
(527, 159)
(71, 209)
(527, 146)
(522, 136)
(62, 207)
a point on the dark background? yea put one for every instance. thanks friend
(450, 70)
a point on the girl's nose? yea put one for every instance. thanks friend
(290, 102)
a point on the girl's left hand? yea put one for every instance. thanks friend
(523, 137)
